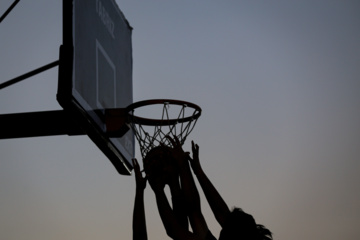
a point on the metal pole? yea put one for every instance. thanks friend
(9, 10)
(29, 74)
(38, 124)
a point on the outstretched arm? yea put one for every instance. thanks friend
(178, 203)
(191, 194)
(139, 222)
(216, 202)
(171, 224)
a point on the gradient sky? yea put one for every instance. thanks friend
(278, 82)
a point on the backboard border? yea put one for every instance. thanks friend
(69, 103)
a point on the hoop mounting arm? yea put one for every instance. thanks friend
(38, 124)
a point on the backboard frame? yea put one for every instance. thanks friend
(66, 99)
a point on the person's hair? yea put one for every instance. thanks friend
(240, 225)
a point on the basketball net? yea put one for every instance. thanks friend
(150, 135)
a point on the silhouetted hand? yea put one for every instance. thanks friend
(140, 180)
(194, 161)
(178, 153)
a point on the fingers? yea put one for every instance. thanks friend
(139, 179)
(175, 142)
(195, 148)
(171, 141)
(187, 155)
(135, 163)
(136, 167)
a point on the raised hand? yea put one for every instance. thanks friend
(140, 180)
(178, 153)
(194, 161)
(191, 194)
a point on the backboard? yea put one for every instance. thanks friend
(95, 72)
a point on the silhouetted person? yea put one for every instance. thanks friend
(154, 164)
(159, 166)
(236, 224)
(191, 194)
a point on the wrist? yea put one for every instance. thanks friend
(139, 190)
(198, 171)
(158, 190)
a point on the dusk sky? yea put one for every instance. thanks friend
(279, 135)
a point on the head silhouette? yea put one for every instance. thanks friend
(240, 225)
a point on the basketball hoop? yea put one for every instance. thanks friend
(178, 119)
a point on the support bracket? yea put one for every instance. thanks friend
(37, 124)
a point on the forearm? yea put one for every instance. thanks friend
(139, 222)
(192, 199)
(216, 202)
(172, 227)
(190, 191)
(178, 204)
